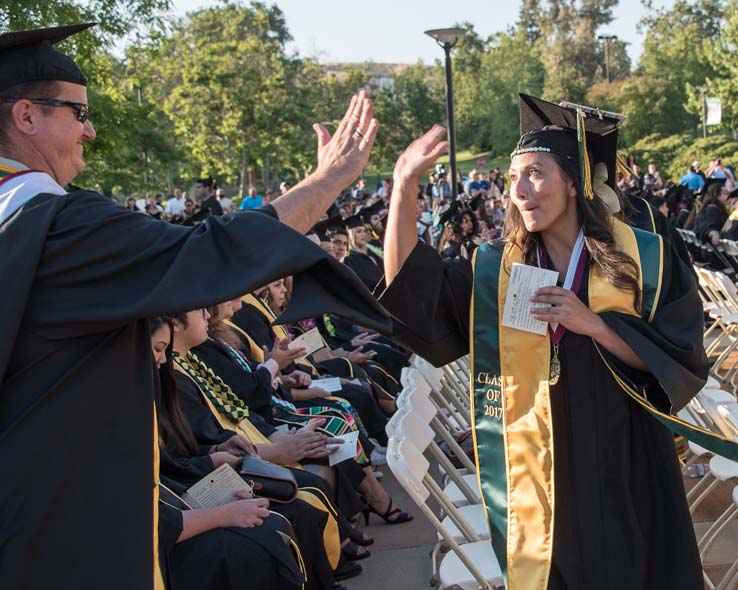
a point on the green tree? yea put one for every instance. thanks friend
(675, 61)
(721, 55)
(224, 80)
(487, 81)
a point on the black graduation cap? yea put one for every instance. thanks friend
(375, 209)
(329, 226)
(708, 183)
(454, 210)
(206, 181)
(355, 221)
(28, 56)
(477, 202)
(582, 134)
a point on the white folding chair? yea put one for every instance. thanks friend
(415, 423)
(470, 566)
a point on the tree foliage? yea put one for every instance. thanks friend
(218, 91)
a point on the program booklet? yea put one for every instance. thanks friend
(310, 341)
(524, 281)
(218, 488)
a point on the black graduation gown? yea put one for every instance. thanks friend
(212, 205)
(230, 558)
(256, 390)
(366, 267)
(711, 218)
(621, 518)
(208, 431)
(650, 219)
(77, 374)
(256, 325)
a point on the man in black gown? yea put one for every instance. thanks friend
(81, 274)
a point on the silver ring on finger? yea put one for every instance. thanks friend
(358, 133)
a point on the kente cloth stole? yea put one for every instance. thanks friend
(513, 432)
(217, 391)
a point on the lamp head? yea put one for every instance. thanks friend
(446, 37)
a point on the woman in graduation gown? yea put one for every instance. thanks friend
(184, 462)
(254, 322)
(581, 484)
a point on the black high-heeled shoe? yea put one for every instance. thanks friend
(399, 519)
(361, 538)
(353, 552)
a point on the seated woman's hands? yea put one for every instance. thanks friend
(358, 356)
(222, 457)
(292, 447)
(235, 445)
(297, 379)
(281, 353)
(309, 393)
(364, 338)
(245, 512)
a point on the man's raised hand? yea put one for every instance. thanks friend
(345, 154)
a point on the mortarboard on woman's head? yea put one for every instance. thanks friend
(586, 136)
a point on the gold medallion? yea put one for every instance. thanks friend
(555, 372)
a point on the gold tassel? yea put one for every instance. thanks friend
(621, 166)
(585, 169)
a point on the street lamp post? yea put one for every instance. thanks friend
(447, 38)
(607, 39)
(702, 90)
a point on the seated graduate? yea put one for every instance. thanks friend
(185, 460)
(367, 356)
(369, 397)
(219, 547)
(459, 229)
(374, 216)
(284, 404)
(366, 263)
(567, 422)
(215, 413)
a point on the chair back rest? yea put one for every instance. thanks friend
(413, 428)
(429, 373)
(392, 426)
(409, 467)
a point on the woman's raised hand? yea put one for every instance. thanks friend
(420, 155)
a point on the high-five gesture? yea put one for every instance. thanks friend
(401, 235)
(341, 158)
(346, 153)
(419, 156)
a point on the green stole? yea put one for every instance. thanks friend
(513, 430)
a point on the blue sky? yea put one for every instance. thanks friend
(392, 30)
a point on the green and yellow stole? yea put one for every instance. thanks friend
(513, 430)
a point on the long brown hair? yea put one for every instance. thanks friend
(219, 330)
(174, 430)
(616, 266)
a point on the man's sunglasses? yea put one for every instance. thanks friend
(83, 110)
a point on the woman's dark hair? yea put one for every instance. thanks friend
(480, 208)
(452, 229)
(712, 195)
(174, 430)
(617, 267)
(219, 330)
